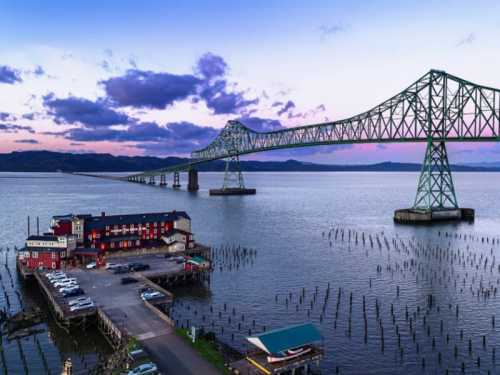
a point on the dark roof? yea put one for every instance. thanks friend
(42, 238)
(279, 340)
(98, 222)
(43, 249)
(70, 216)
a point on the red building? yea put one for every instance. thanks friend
(121, 232)
(46, 251)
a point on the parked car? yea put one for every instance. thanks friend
(79, 301)
(73, 292)
(120, 270)
(91, 266)
(128, 280)
(144, 369)
(111, 266)
(68, 287)
(134, 267)
(64, 282)
(57, 279)
(82, 306)
(57, 276)
(146, 296)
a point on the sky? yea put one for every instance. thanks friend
(161, 78)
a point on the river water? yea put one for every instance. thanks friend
(307, 230)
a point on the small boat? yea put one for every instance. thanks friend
(289, 354)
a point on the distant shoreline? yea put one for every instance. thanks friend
(48, 162)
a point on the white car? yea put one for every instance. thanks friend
(144, 369)
(151, 295)
(82, 306)
(79, 301)
(91, 266)
(64, 282)
(111, 266)
(69, 288)
(50, 275)
(57, 276)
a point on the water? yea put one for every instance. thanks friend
(288, 223)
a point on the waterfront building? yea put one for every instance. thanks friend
(107, 233)
(47, 251)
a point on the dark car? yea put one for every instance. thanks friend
(74, 293)
(121, 269)
(128, 280)
(133, 267)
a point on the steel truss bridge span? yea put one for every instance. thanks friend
(437, 108)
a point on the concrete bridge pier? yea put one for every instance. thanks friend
(163, 180)
(193, 180)
(152, 180)
(176, 184)
(142, 180)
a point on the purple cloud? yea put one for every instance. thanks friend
(13, 128)
(146, 89)
(261, 124)
(73, 110)
(288, 106)
(221, 101)
(9, 75)
(211, 66)
(27, 141)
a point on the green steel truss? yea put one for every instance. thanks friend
(435, 189)
(233, 178)
(437, 108)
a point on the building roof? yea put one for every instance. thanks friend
(42, 238)
(99, 222)
(279, 340)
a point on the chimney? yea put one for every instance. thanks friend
(103, 213)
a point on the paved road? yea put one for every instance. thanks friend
(173, 353)
(122, 304)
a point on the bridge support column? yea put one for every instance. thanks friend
(177, 183)
(163, 180)
(152, 180)
(233, 180)
(142, 180)
(193, 180)
(435, 199)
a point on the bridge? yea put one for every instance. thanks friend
(437, 108)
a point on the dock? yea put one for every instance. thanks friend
(120, 313)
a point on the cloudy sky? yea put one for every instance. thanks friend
(162, 77)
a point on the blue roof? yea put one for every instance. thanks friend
(279, 340)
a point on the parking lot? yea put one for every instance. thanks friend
(122, 303)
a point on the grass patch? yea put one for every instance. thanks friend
(206, 349)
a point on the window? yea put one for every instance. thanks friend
(34, 254)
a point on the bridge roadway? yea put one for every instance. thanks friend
(123, 306)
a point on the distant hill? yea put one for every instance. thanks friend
(48, 161)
